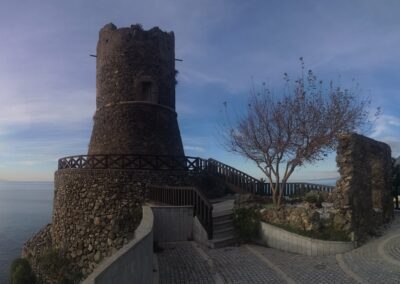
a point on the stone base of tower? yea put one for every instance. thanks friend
(95, 213)
(136, 128)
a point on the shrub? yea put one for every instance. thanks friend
(21, 272)
(58, 268)
(315, 198)
(246, 222)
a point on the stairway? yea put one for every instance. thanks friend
(223, 230)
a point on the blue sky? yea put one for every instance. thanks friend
(47, 79)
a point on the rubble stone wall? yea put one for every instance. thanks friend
(363, 194)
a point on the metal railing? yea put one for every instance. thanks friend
(183, 196)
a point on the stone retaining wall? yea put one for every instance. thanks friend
(133, 263)
(96, 212)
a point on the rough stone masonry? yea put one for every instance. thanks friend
(135, 97)
(363, 194)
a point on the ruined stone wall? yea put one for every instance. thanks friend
(135, 99)
(363, 194)
(95, 212)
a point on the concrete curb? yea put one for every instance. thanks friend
(278, 238)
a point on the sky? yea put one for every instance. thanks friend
(47, 78)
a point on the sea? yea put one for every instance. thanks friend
(25, 207)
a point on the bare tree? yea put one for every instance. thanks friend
(280, 133)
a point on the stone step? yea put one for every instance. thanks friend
(224, 233)
(221, 225)
(220, 218)
(222, 242)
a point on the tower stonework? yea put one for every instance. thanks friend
(135, 99)
(98, 197)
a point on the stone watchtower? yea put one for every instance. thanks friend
(98, 197)
(135, 100)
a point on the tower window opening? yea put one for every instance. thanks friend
(146, 90)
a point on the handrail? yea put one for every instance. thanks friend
(231, 175)
(138, 162)
(252, 185)
(181, 196)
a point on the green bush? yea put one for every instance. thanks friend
(21, 272)
(58, 268)
(315, 198)
(247, 223)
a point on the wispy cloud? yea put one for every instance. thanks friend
(194, 148)
(387, 129)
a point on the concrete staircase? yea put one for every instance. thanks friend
(223, 230)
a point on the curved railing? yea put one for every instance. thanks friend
(250, 184)
(231, 175)
(137, 162)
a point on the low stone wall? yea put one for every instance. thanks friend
(283, 240)
(172, 223)
(133, 263)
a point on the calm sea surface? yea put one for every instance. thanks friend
(25, 207)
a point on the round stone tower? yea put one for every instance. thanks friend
(135, 99)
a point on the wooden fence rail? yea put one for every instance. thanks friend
(231, 175)
(137, 162)
(252, 185)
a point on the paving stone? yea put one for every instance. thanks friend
(181, 263)
(239, 265)
(392, 248)
(368, 264)
(306, 269)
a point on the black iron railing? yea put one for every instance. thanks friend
(183, 196)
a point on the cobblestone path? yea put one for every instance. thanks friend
(378, 261)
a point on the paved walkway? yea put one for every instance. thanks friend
(378, 261)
